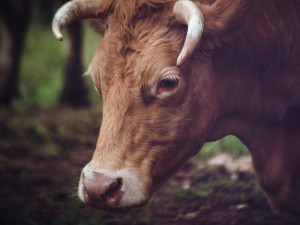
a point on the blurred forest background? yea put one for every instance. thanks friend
(36, 69)
(49, 121)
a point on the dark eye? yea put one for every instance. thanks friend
(168, 82)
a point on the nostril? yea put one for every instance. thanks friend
(114, 190)
(100, 187)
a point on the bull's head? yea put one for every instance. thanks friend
(154, 117)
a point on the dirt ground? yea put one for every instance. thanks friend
(43, 151)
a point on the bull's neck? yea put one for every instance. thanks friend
(251, 89)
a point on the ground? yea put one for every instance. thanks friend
(43, 150)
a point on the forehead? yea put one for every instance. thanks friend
(134, 53)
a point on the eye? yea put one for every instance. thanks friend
(169, 82)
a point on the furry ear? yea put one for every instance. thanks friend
(222, 19)
(88, 72)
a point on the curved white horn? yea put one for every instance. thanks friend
(73, 11)
(188, 13)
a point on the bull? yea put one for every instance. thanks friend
(176, 74)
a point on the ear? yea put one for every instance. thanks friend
(188, 13)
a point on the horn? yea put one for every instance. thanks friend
(188, 13)
(73, 11)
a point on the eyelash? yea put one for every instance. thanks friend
(169, 82)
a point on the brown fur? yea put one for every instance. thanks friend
(244, 79)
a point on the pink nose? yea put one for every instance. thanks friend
(101, 190)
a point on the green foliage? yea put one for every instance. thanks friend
(37, 132)
(233, 145)
(230, 144)
(41, 68)
(43, 64)
(49, 151)
(91, 43)
(204, 189)
(73, 215)
(177, 191)
(144, 220)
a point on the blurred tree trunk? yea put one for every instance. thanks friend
(14, 16)
(74, 92)
(47, 10)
